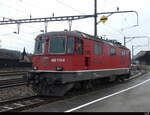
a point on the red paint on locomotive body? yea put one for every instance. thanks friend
(62, 59)
(87, 53)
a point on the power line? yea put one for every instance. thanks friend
(33, 5)
(114, 29)
(25, 34)
(16, 48)
(31, 33)
(70, 6)
(13, 19)
(21, 11)
(110, 33)
(18, 10)
(21, 40)
(12, 7)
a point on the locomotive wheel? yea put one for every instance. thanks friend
(87, 85)
(52, 90)
(123, 77)
(128, 76)
(60, 90)
(36, 88)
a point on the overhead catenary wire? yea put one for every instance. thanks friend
(24, 25)
(114, 29)
(22, 32)
(16, 9)
(63, 3)
(21, 11)
(60, 1)
(18, 44)
(18, 36)
(29, 42)
(111, 36)
(8, 6)
(35, 6)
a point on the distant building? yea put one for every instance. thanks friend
(142, 58)
(15, 55)
(9, 54)
(13, 58)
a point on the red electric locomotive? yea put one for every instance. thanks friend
(65, 58)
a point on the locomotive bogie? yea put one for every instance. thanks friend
(64, 81)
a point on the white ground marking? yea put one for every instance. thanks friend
(84, 105)
(7, 107)
(18, 104)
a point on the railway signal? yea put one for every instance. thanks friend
(103, 19)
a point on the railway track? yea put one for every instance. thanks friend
(25, 103)
(14, 105)
(34, 101)
(11, 82)
(12, 73)
(11, 79)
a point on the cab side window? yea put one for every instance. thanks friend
(70, 48)
(79, 46)
(112, 52)
(97, 49)
(123, 53)
(39, 46)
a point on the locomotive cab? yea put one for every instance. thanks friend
(57, 53)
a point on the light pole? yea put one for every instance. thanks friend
(132, 51)
(95, 18)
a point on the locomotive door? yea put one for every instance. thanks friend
(98, 55)
(87, 56)
(79, 61)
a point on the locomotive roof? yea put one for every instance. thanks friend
(83, 35)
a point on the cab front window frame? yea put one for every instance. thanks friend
(52, 49)
(39, 46)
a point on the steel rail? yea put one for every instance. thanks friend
(34, 101)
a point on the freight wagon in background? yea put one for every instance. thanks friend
(12, 58)
(66, 59)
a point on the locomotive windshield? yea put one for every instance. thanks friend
(57, 45)
(61, 45)
(39, 46)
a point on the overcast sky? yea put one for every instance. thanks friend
(116, 27)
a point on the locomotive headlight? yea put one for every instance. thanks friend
(35, 67)
(59, 68)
